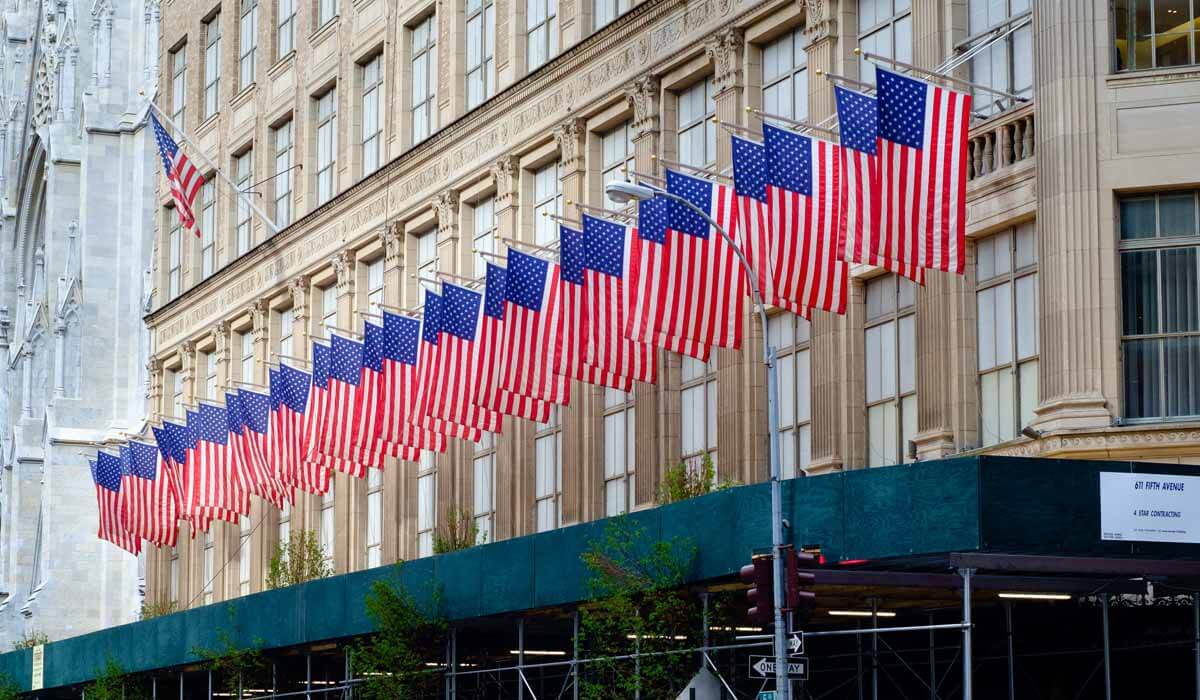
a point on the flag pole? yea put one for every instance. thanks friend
(200, 152)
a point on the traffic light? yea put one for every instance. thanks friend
(760, 576)
(799, 581)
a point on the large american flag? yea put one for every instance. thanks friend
(923, 169)
(802, 186)
(291, 391)
(316, 419)
(172, 445)
(859, 236)
(106, 474)
(373, 402)
(461, 356)
(149, 500)
(579, 307)
(184, 178)
(532, 361)
(705, 280)
(754, 219)
(428, 384)
(222, 487)
(249, 421)
(607, 256)
(400, 388)
(491, 342)
(348, 396)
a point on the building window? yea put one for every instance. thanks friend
(785, 76)
(1154, 33)
(212, 65)
(884, 29)
(698, 411)
(285, 28)
(427, 253)
(541, 24)
(173, 578)
(372, 116)
(483, 216)
(618, 452)
(177, 396)
(374, 518)
(327, 526)
(617, 152)
(328, 310)
(1160, 339)
(326, 11)
(210, 376)
(248, 42)
(426, 503)
(285, 524)
(208, 228)
(1007, 303)
(789, 334)
(244, 555)
(283, 174)
(891, 355)
(206, 569)
(424, 78)
(697, 132)
(374, 286)
(247, 359)
(547, 445)
(174, 254)
(286, 321)
(484, 467)
(326, 146)
(547, 199)
(243, 170)
(1006, 64)
(179, 87)
(481, 52)
(605, 11)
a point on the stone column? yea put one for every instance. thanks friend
(220, 336)
(821, 44)
(1079, 382)
(394, 482)
(348, 492)
(301, 290)
(187, 373)
(451, 87)
(154, 370)
(574, 21)
(260, 318)
(60, 349)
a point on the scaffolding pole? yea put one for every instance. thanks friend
(575, 658)
(932, 661)
(1008, 629)
(968, 681)
(1196, 632)
(520, 657)
(1107, 649)
(874, 649)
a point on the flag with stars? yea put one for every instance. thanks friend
(460, 362)
(802, 184)
(372, 449)
(245, 454)
(150, 503)
(533, 363)
(859, 237)
(228, 491)
(399, 390)
(316, 419)
(579, 308)
(607, 254)
(340, 432)
(754, 219)
(923, 169)
(291, 392)
(254, 412)
(491, 344)
(185, 180)
(171, 459)
(705, 283)
(106, 474)
(428, 384)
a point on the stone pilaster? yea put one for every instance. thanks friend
(154, 369)
(574, 22)
(301, 291)
(220, 336)
(820, 46)
(936, 366)
(348, 492)
(726, 49)
(187, 372)
(395, 491)
(1079, 378)
(260, 319)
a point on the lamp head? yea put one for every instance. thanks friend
(624, 192)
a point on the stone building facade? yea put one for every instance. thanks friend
(77, 229)
(433, 128)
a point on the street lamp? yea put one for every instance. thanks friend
(623, 192)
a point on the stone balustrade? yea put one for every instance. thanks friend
(1000, 142)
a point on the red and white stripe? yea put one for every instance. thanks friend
(532, 361)
(607, 348)
(428, 387)
(396, 434)
(859, 235)
(460, 375)
(755, 237)
(581, 308)
(646, 298)
(112, 521)
(151, 506)
(185, 181)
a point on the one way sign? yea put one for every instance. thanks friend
(764, 667)
(796, 644)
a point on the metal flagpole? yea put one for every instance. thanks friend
(200, 153)
(968, 681)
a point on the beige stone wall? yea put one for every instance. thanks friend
(1093, 132)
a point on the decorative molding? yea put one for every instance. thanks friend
(725, 48)
(504, 174)
(643, 96)
(569, 136)
(392, 238)
(343, 265)
(445, 205)
(300, 287)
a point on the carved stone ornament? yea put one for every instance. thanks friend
(569, 137)
(260, 311)
(187, 355)
(504, 173)
(343, 265)
(220, 336)
(299, 287)
(725, 49)
(642, 94)
(445, 205)
(392, 238)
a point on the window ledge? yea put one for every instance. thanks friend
(282, 64)
(323, 31)
(1152, 76)
(208, 124)
(246, 94)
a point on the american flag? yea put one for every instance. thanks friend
(923, 169)
(754, 218)
(106, 473)
(428, 384)
(491, 342)
(185, 179)
(249, 421)
(339, 438)
(607, 256)
(291, 391)
(580, 308)
(706, 285)
(802, 189)
(221, 489)
(460, 356)
(532, 360)
(859, 235)
(149, 500)
(316, 418)
(399, 389)
(373, 449)
(172, 454)
(646, 288)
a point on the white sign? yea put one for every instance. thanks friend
(1149, 507)
(795, 644)
(39, 668)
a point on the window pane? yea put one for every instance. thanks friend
(1177, 214)
(1026, 245)
(908, 426)
(1139, 275)
(874, 355)
(989, 409)
(1179, 286)
(1142, 367)
(1173, 36)
(1027, 316)
(985, 302)
(1137, 218)
(887, 359)
(1004, 342)
(1028, 388)
(787, 453)
(787, 390)
(908, 354)
(1182, 376)
(803, 399)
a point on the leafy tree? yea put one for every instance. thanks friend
(235, 666)
(458, 532)
(685, 481)
(157, 608)
(112, 683)
(31, 639)
(300, 559)
(392, 662)
(9, 690)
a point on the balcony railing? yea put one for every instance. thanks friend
(1000, 142)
